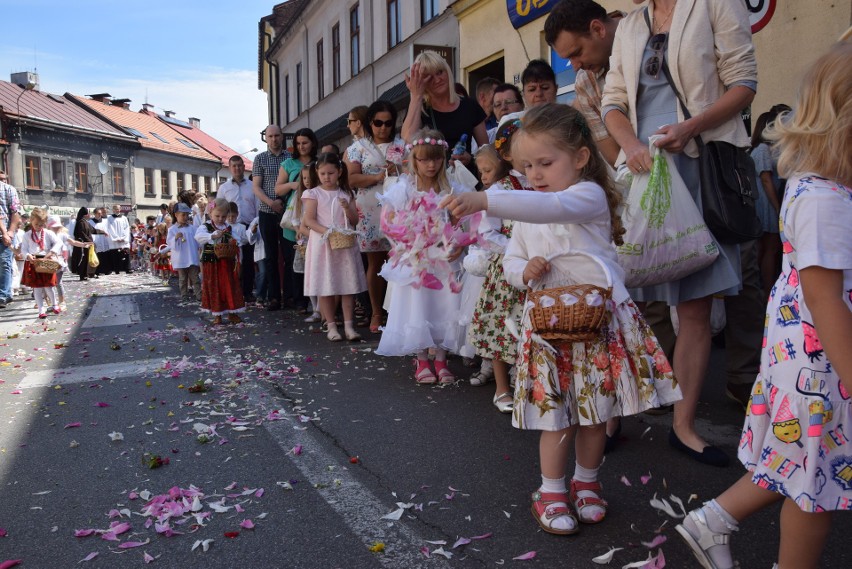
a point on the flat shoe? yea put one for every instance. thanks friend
(479, 378)
(334, 336)
(352, 336)
(710, 455)
(445, 376)
(424, 375)
(502, 404)
(706, 540)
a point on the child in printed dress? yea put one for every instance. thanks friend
(499, 301)
(221, 292)
(420, 317)
(162, 260)
(184, 253)
(566, 237)
(307, 179)
(330, 272)
(793, 440)
(40, 242)
(491, 168)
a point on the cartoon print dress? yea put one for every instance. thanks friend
(795, 436)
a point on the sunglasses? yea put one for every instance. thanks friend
(379, 124)
(655, 62)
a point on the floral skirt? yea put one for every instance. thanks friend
(499, 301)
(221, 292)
(622, 373)
(33, 279)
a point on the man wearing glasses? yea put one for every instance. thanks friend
(10, 210)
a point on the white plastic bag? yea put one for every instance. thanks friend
(459, 175)
(666, 237)
(289, 220)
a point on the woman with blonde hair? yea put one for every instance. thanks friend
(434, 104)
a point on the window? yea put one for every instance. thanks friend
(165, 186)
(335, 56)
(180, 181)
(394, 23)
(566, 76)
(354, 40)
(298, 89)
(81, 177)
(187, 143)
(117, 181)
(57, 174)
(149, 181)
(32, 165)
(160, 138)
(287, 98)
(194, 182)
(428, 10)
(135, 132)
(320, 71)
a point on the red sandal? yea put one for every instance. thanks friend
(423, 374)
(586, 501)
(545, 511)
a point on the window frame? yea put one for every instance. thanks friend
(287, 98)
(81, 173)
(354, 40)
(298, 88)
(58, 187)
(165, 184)
(32, 170)
(320, 70)
(118, 181)
(426, 7)
(181, 181)
(148, 182)
(193, 183)
(335, 56)
(394, 25)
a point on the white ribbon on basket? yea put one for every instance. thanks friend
(510, 325)
(346, 229)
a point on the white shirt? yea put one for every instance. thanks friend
(241, 194)
(184, 251)
(101, 241)
(255, 238)
(239, 233)
(118, 231)
(203, 236)
(52, 244)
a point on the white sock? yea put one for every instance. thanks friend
(38, 293)
(557, 485)
(589, 512)
(51, 296)
(718, 518)
(487, 367)
(347, 325)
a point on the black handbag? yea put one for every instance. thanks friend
(728, 183)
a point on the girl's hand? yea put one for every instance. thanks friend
(30, 258)
(676, 136)
(638, 157)
(391, 169)
(344, 203)
(460, 205)
(536, 268)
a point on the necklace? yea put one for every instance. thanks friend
(665, 21)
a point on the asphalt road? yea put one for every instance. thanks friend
(312, 454)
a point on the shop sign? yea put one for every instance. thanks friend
(522, 12)
(759, 13)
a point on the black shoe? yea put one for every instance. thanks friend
(273, 306)
(613, 440)
(711, 455)
(3, 303)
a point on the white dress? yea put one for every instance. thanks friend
(418, 318)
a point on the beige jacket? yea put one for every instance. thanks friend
(709, 48)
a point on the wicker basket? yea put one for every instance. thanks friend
(46, 266)
(227, 250)
(340, 239)
(301, 248)
(554, 319)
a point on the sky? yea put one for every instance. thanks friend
(197, 58)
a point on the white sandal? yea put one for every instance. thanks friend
(501, 404)
(480, 378)
(702, 544)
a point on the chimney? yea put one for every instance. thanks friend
(195, 123)
(169, 114)
(123, 103)
(101, 97)
(148, 107)
(26, 79)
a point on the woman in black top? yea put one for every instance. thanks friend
(434, 104)
(79, 262)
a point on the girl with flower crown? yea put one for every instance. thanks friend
(423, 261)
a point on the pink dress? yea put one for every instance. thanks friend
(328, 271)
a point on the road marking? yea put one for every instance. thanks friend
(113, 311)
(360, 509)
(79, 374)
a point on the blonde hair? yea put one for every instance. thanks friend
(489, 153)
(569, 132)
(39, 214)
(222, 205)
(817, 135)
(427, 151)
(431, 62)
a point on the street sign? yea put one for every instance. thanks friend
(522, 12)
(445, 51)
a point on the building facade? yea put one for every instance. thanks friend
(320, 58)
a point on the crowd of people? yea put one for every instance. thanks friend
(390, 235)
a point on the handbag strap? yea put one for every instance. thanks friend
(668, 74)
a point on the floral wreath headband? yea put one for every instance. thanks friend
(427, 140)
(505, 132)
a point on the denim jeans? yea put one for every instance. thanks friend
(6, 259)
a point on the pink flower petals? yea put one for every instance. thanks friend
(460, 541)
(73, 425)
(656, 542)
(10, 563)
(147, 558)
(101, 404)
(84, 532)
(132, 544)
(89, 557)
(247, 524)
(525, 557)
(645, 478)
(625, 481)
(297, 450)
(3, 532)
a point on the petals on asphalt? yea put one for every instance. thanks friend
(525, 557)
(89, 557)
(605, 558)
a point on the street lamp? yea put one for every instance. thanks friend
(28, 86)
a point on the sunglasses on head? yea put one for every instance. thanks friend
(379, 124)
(655, 62)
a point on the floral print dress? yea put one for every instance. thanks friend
(795, 438)
(498, 301)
